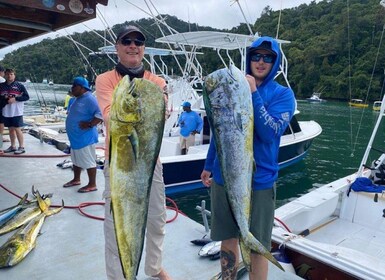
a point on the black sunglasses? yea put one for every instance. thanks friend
(128, 41)
(267, 58)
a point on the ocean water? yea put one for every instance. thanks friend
(335, 153)
(44, 96)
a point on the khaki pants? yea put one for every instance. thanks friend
(155, 232)
(187, 142)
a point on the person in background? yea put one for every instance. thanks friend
(274, 106)
(81, 129)
(2, 104)
(190, 123)
(68, 101)
(15, 94)
(130, 44)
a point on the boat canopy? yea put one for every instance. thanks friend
(148, 50)
(23, 20)
(212, 39)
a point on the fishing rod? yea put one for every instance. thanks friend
(43, 108)
(37, 95)
(243, 14)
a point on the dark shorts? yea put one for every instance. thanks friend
(223, 224)
(1, 118)
(13, 122)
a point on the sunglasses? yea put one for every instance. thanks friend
(128, 41)
(267, 58)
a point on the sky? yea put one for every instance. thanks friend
(223, 14)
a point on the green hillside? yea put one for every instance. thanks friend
(322, 36)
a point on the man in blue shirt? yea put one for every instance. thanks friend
(190, 123)
(273, 107)
(81, 129)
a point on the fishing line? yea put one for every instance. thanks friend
(350, 79)
(369, 86)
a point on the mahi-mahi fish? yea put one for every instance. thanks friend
(30, 210)
(17, 247)
(9, 213)
(229, 109)
(136, 128)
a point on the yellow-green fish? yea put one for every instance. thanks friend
(136, 129)
(9, 213)
(29, 211)
(229, 109)
(17, 247)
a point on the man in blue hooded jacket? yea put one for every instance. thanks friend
(273, 106)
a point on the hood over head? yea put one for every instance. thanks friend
(269, 44)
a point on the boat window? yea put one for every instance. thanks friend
(294, 126)
(206, 131)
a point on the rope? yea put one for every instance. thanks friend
(10, 155)
(82, 205)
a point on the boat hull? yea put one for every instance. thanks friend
(181, 176)
(309, 268)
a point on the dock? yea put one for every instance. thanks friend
(71, 245)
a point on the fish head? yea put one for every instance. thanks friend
(226, 91)
(219, 84)
(10, 255)
(127, 101)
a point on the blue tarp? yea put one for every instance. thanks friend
(363, 184)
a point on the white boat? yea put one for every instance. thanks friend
(315, 98)
(294, 143)
(182, 172)
(337, 231)
(376, 105)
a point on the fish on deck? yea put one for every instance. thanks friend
(20, 244)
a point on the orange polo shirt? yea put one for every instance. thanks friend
(105, 85)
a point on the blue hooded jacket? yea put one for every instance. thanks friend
(274, 106)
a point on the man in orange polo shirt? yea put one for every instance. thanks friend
(130, 51)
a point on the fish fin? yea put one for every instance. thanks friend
(110, 149)
(245, 254)
(55, 211)
(42, 204)
(23, 199)
(33, 191)
(238, 121)
(253, 244)
(134, 140)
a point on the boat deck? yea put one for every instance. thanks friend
(71, 245)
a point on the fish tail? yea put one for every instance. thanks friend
(54, 211)
(252, 243)
(23, 199)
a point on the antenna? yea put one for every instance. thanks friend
(243, 14)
